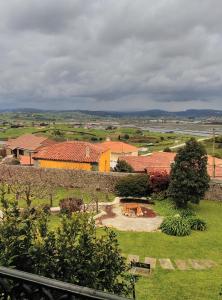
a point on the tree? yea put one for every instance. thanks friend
(189, 179)
(167, 149)
(123, 166)
(73, 252)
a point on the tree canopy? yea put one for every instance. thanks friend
(189, 179)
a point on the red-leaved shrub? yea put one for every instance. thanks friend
(159, 181)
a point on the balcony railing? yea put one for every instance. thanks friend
(19, 285)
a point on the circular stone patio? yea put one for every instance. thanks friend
(124, 223)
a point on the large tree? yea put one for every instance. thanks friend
(189, 179)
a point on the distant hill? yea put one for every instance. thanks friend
(154, 113)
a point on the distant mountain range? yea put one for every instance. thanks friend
(154, 113)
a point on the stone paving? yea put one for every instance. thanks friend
(182, 264)
(179, 264)
(166, 264)
(133, 224)
(151, 261)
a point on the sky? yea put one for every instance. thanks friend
(122, 55)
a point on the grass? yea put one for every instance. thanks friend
(177, 285)
(166, 285)
(62, 193)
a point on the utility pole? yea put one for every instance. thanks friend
(214, 165)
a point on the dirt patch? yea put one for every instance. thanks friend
(109, 214)
(148, 213)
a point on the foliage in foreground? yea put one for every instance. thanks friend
(73, 253)
(189, 178)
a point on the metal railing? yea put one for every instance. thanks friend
(19, 285)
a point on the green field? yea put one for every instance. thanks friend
(153, 141)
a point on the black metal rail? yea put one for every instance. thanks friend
(17, 285)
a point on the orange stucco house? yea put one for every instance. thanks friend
(118, 149)
(74, 155)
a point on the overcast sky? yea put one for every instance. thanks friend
(111, 54)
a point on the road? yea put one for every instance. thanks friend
(179, 146)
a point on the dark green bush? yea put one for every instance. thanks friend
(176, 226)
(133, 185)
(187, 212)
(159, 196)
(197, 224)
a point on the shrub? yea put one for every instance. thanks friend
(133, 185)
(159, 196)
(185, 213)
(176, 226)
(198, 224)
(159, 181)
(70, 205)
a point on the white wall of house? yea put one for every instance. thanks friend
(115, 156)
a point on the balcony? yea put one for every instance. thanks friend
(19, 285)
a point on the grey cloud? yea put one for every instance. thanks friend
(104, 54)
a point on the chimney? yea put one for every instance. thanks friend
(87, 152)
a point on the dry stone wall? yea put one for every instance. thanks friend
(215, 191)
(64, 178)
(83, 179)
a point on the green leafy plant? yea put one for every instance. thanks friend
(176, 226)
(186, 213)
(73, 253)
(198, 224)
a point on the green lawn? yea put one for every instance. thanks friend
(62, 193)
(167, 285)
(177, 285)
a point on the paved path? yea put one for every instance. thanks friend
(179, 264)
(125, 223)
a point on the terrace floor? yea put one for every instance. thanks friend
(115, 218)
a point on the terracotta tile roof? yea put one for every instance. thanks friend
(119, 147)
(160, 161)
(74, 151)
(138, 163)
(25, 160)
(28, 142)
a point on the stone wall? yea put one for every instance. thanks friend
(62, 177)
(215, 191)
(83, 179)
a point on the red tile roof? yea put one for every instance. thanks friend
(74, 151)
(160, 161)
(119, 147)
(25, 160)
(28, 142)
(138, 163)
